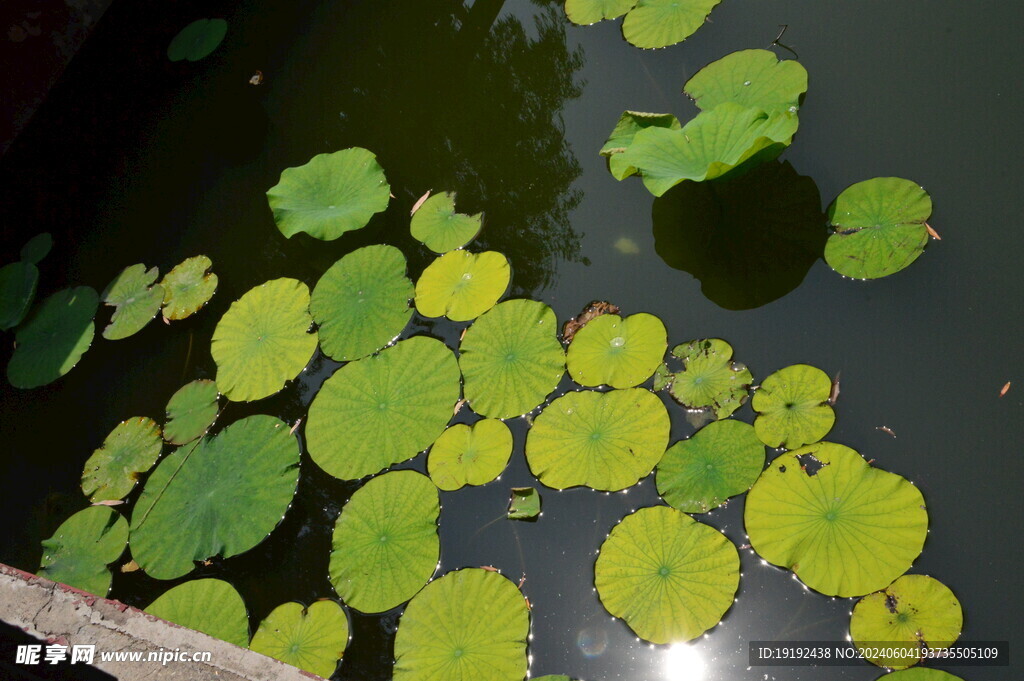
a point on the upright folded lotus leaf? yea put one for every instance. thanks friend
(721, 460)
(126, 454)
(37, 248)
(53, 339)
(586, 12)
(383, 409)
(385, 545)
(362, 302)
(468, 624)
(191, 411)
(18, 282)
(669, 577)
(218, 497)
(197, 40)
(330, 195)
(710, 379)
(263, 340)
(524, 504)
(135, 300)
(880, 227)
(188, 287)
(919, 674)
(79, 551)
(792, 407)
(606, 441)
(630, 123)
(461, 285)
(911, 616)
(465, 455)
(751, 78)
(211, 606)
(511, 359)
(845, 529)
(311, 638)
(616, 351)
(437, 226)
(660, 23)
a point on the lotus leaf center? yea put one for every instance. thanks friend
(382, 406)
(596, 435)
(831, 516)
(663, 571)
(383, 538)
(902, 617)
(510, 357)
(458, 652)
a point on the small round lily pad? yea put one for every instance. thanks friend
(79, 551)
(54, 338)
(311, 638)
(37, 248)
(753, 78)
(197, 40)
(465, 455)
(437, 226)
(211, 606)
(660, 23)
(710, 379)
(18, 282)
(461, 285)
(586, 12)
(618, 352)
(135, 300)
(792, 407)
(191, 411)
(188, 287)
(524, 503)
(126, 454)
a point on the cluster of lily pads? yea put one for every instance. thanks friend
(647, 23)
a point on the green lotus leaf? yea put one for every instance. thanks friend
(221, 496)
(511, 359)
(586, 12)
(880, 227)
(135, 301)
(710, 379)
(191, 411)
(311, 638)
(606, 441)
(751, 78)
(127, 452)
(188, 287)
(383, 409)
(362, 302)
(468, 624)
(919, 674)
(669, 577)
(660, 23)
(330, 195)
(465, 455)
(630, 123)
(385, 544)
(662, 378)
(37, 248)
(913, 614)
(17, 290)
(437, 226)
(461, 285)
(79, 551)
(211, 606)
(721, 460)
(618, 352)
(524, 503)
(845, 529)
(54, 338)
(792, 407)
(197, 40)
(262, 341)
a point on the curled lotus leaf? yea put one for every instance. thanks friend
(135, 300)
(437, 226)
(586, 12)
(752, 78)
(630, 123)
(18, 282)
(128, 452)
(79, 551)
(660, 23)
(312, 638)
(792, 407)
(188, 287)
(37, 248)
(710, 379)
(616, 351)
(191, 411)
(461, 285)
(465, 455)
(524, 504)
(53, 339)
(211, 606)
(197, 40)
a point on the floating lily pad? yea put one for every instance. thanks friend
(660, 23)
(437, 226)
(618, 352)
(919, 674)
(465, 455)
(211, 606)
(37, 248)
(792, 407)
(383, 409)
(721, 460)
(607, 441)
(79, 551)
(385, 544)
(667, 576)
(311, 638)
(191, 411)
(752, 78)
(524, 503)
(630, 123)
(197, 40)
(585, 12)
(330, 195)
(846, 529)
(221, 496)
(188, 287)
(135, 300)
(54, 338)
(913, 614)
(511, 359)
(879, 227)
(262, 341)
(461, 285)
(128, 451)
(18, 282)
(710, 379)
(468, 624)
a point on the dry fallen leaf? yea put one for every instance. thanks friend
(130, 566)
(886, 429)
(419, 202)
(834, 394)
(932, 232)
(592, 310)
(109, 502)
(295, 427)
(458, 407)
(1006, 389)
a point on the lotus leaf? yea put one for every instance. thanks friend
(880, 227)
(465, 455)
(262, 341)
(710, 379)
(188, 287)
(721, 460)
(618, 352)
(468, 624)
(461, 285)
(383, 409)
(511, 359)
(17, 290)
(54, 338)
(37, 248)
(211, 606)
(662, 378)
(919, 674)
(191, 411)
(330, 195)
(752, 78)
(585, 12)
(630, 123)
(135, 300)
(221, 496)
(128, 451)
(607, 441)
(846, 529)
(385, 544)
(79, 551)
(311, 638)
(660, 23)
(524, 504)
(197, 40)
(792, 407)
(668, 576)
(437, 226)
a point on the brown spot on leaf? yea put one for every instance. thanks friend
(592, 310)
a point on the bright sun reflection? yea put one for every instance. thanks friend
(683, 663)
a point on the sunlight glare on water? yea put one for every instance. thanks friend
(682, 662)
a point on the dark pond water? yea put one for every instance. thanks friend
(134, 159)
